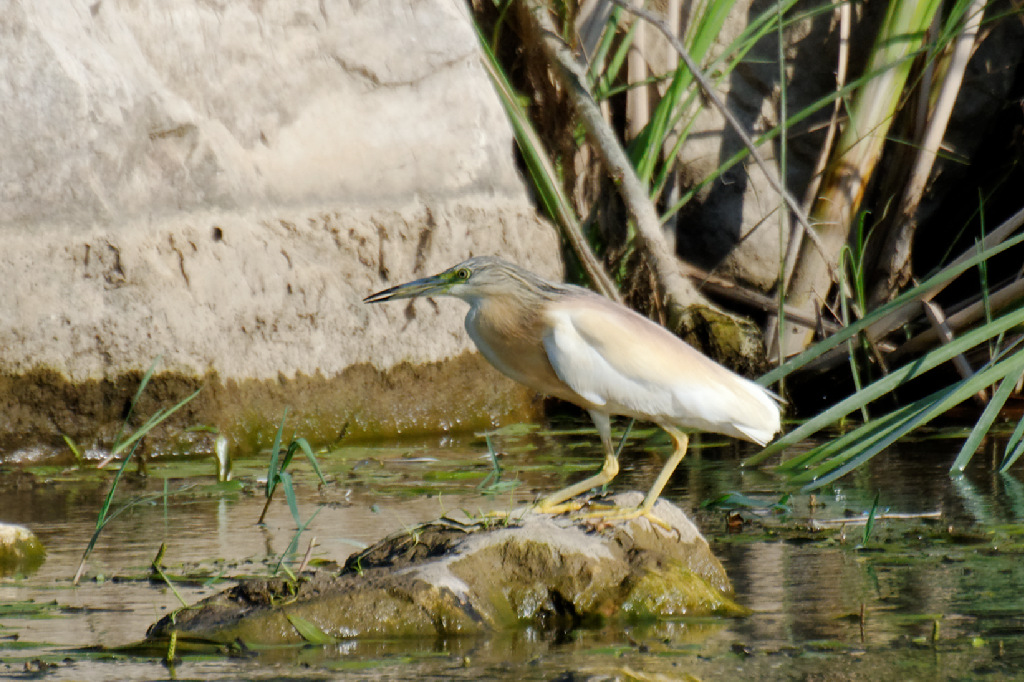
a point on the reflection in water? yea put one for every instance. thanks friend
(817, 598)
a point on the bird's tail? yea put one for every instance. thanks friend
(765, 419)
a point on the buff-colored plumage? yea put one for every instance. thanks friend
(570, 343)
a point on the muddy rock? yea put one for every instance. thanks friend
(447, 578)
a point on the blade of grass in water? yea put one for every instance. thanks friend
(870, 524)
(894, 379)
(909, 297)
(272, 469)
(153, 422)
(289, 494)
(859, 438)
(104, 516)
(295, 540)
(984, 423)
(917, 414)
(275, 452)
(303, 444)
(135, 399)
(163, 576)
(75, 450)
(277, 469)
(309, 630)
(1014, 447)
(495, 473)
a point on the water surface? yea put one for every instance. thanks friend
(933, 595)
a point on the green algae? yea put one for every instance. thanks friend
(674, 591)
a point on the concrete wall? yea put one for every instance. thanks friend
(220, 184)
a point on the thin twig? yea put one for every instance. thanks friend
(307, 555)
(862, 519)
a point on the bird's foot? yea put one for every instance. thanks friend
(561, 508)
(539, 508)
(616, 514)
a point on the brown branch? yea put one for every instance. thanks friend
(564, 214)
(1000, 299)
(677, 291)
(770, 304)
(937, 318)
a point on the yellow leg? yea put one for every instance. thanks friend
(679, 441)
(555, 503)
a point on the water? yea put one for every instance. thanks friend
(925, 598)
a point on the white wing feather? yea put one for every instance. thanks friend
(593, 348)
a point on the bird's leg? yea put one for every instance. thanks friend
(556, 503)
(679, 442)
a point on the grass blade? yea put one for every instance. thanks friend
(303, 444)
(862, 436)
(1014, 447)
(870, 524)
(158, 569)
(295, 540)
(910, 297)
(289, 494)
(924, 410)
(275, 451)
(868, 442)
(984, 423)
(135, 399)
(74, 448)
(894, 379)
(153, 422)
(102, 518)
(309, 630)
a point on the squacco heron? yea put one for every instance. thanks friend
(568, 342)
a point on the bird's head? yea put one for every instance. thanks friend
(474, 278)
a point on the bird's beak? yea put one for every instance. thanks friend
(428, 286)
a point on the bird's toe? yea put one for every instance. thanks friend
(621, 514)
(561, 508)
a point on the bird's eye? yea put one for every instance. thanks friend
(462, 273)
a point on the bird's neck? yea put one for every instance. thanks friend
(505, 316)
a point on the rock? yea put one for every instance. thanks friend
(20, 550)
(446, 578)
(220, 185)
